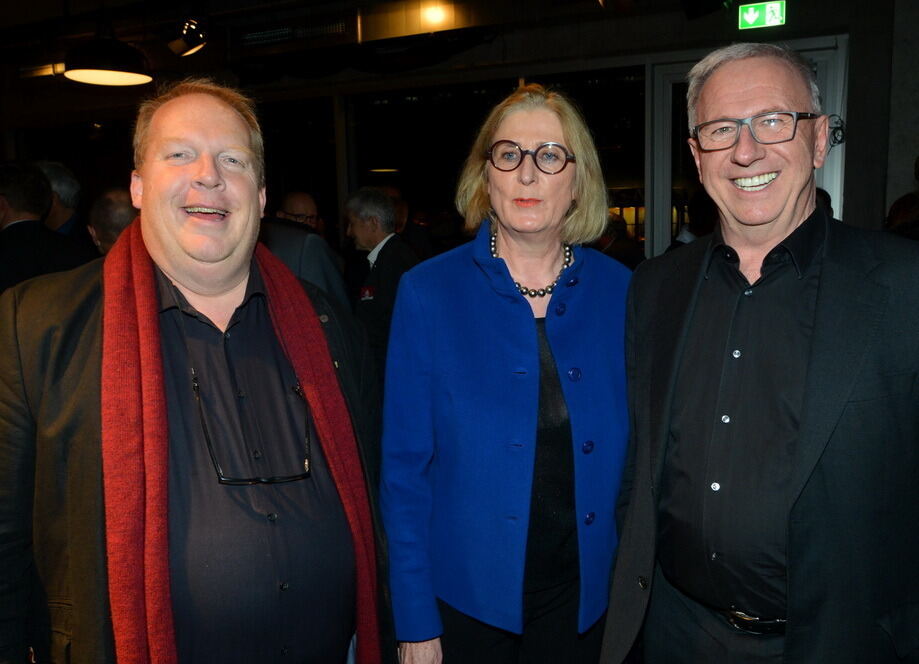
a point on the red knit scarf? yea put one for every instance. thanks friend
(135, 448)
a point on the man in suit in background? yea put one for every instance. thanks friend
(291, 235)
(65, 197)
(27, 247)
(62, 217)
(371, 224)
(109, 215)
(770, 502)
(300, 207)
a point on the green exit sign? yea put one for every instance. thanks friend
(761, 15)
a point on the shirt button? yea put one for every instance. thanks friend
(273, 516)
(574, 373)
(285, 650)
(588, 447)
(226, 335)
(725, 418)
(716, 486)
(748, 292)
(642, 583)
(736, 354)
(572, 282)
(256, 454)
(560, 308)
(589, 519)
(714, 555)
(284, 586)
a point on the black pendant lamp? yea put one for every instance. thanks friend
(192, 37)
(105, 60)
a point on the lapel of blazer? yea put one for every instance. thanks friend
(848, 311)
(677, 291)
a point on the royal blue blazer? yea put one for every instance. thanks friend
(460, 413)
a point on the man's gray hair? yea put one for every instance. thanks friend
(372, 202)
(703, 69)
(63, 182)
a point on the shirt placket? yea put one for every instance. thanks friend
(718, 488)
(263, 500)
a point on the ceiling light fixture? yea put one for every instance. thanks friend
(192, 38)
(106, 61)
(437, 15)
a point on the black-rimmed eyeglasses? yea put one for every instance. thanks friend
(766, 128)
(309, 219)
(550, 158)
(238, 481)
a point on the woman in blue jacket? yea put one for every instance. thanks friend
(505, 413)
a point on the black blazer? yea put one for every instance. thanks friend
(377, 298)
(853, 529)
(28, 249)
(53, 579)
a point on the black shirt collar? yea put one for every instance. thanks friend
(171, 297)
(804, 245)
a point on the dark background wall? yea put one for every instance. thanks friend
(332, 106)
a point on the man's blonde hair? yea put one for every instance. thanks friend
(233, 98)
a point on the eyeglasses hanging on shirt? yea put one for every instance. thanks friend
(199, 401)
(239, 481)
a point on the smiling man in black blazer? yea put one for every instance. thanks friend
(771, 499)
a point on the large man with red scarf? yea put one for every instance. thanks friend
(184, 470)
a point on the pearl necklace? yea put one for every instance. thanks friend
(535, 292)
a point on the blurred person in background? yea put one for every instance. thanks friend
(62, 216)
(372, 218)
(27, 247)
(109, 215)
(300, 207)
(292, 236)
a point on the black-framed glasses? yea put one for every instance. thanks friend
(308, 219)
(239, 481)
(766, 128)
(550, 158)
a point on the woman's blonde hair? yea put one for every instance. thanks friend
(586, 218)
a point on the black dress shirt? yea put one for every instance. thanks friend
(724, 505)
(260, 573)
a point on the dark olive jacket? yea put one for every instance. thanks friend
(53, 580)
